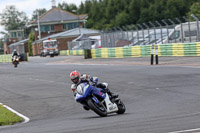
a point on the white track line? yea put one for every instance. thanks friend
(184, 131)
(26, 119)
(78, 64)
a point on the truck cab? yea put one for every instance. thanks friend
(49, 47)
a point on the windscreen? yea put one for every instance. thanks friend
(50, 44)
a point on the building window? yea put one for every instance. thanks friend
(45, 28)
(13, 34)
(52, 27)
(64, 26)
(72, 25)
(19, 34)
(76, 25)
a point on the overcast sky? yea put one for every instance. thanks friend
(28, 6)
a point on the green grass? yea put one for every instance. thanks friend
(7, 117)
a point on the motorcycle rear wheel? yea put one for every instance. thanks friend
(97, 108)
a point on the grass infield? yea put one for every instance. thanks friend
(7, 117)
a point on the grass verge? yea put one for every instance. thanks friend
(7, 117)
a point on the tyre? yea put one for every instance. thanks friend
(97, 108)
(42, 55)
(15, 64)
(121, 107)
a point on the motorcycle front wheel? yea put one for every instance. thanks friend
(15, 64)
(121, 107)
(97, 108)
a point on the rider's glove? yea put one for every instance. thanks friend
(85, 77)
(73, 87)
(94, 79)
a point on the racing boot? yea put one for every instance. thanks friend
(85, 107)
(111, 94)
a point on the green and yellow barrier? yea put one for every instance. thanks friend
(119, 52)
(187, 49)
(64, 52)
(198, 49)
(5, 58)
(174, 49)
(72, 52)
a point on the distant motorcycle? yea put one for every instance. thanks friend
(98, 101)
(15, 60)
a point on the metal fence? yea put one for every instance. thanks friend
(178, 30)
(19, 48)
(86, 44)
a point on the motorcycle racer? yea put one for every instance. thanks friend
(14, 53)
(77, 78)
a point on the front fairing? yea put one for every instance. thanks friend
(88, 91)
(15, 59)
(85, 92)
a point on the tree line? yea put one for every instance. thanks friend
(105, 14)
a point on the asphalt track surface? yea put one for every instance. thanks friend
(162, 98)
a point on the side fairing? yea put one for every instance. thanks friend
(99, 92)
(84, 93)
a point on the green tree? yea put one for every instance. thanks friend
(111, 10)
(145, 16)
(194, 9)
(31, 39)
(81, 8)
(1, 46)
(88, 5)
(121, 19)
(134, 10)
(67, 7)
(41, 12)
(13, 19)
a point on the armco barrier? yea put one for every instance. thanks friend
(5, 58)
(176, 49)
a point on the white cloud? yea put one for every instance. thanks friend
(28, 6)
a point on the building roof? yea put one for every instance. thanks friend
(82, 37)
(70, 33)
(58, 15)
(18, 43)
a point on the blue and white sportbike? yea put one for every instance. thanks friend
(97, 100)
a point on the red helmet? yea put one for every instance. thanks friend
(75, 77)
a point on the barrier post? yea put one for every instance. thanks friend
(87, 53)
(152, 54)
(156, 54)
